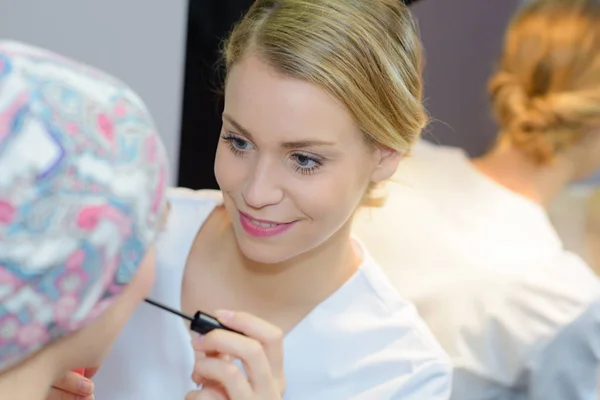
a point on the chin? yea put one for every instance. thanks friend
(263, 253)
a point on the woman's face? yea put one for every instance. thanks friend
(291, 163)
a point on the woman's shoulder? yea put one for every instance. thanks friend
(378, 340)
(395, 312)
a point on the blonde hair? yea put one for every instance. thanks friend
(546, 92)
(365, 53)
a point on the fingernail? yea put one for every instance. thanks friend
(197, 340)
(224, 315)
(86, 386)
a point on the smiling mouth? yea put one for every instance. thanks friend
(263, 228)
(263, 223)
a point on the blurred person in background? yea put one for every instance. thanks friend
(469, 240)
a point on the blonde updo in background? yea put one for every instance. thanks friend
(546, 91)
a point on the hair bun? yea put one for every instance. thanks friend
(535, 124)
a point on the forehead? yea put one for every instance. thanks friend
(265, 102)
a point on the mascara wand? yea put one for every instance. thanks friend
(201, 323)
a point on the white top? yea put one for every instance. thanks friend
(568, 213)
(488, 274)
(363, 342)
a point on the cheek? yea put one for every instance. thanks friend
(229, 169)
(332, 196)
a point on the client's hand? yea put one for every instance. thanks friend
(260, 351)
(72, 386)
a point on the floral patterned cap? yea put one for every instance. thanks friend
(82, 189)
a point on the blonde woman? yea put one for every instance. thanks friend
(322, 99)
(470, 242)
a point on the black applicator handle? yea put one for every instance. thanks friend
(201, 323)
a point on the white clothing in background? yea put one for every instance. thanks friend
(489, 275)
(568, 213)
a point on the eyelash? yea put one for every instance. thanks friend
(232, 140)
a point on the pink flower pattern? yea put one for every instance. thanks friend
(40, 305)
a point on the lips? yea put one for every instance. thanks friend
(262, 222)
(263, 228)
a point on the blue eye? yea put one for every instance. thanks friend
(304, 161)
(240, 144)
(237, 145)
(306, 165)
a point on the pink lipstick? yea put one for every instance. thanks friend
(262, 228)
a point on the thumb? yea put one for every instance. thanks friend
(207, 393)
(194, 395)
(90, 372)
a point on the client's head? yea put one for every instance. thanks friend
(82, 182)
(546, 91)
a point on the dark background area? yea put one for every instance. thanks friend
(208, 23)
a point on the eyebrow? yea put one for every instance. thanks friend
(288, 145)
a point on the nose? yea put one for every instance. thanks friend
(262, 186)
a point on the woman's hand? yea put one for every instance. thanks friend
(72, 386)
(260, 351)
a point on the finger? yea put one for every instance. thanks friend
(269, 335)
(201, 354)
(226, 374)
(195, 395)
(91, 372)
(202, 395)
(198, 354)
(211, 391)
(246, 349)
(196, 338)
(57, 394)
(72, 382)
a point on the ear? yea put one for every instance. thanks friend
(387, 163)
